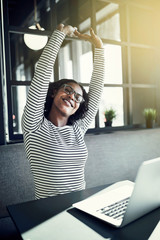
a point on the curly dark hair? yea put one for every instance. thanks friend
(55, 86)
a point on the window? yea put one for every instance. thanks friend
(130, 32)
(19, 97)
(112, 98)
(108, 22)
(113, 55)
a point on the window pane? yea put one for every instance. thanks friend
(113, 64)
(86, 65)
(108, 22)
(84, 13)
(84, 25)
(141, 23)
(19, 96)
(143, 66)
(76, 61)
(112, 98)
(142, 98)
(65, 62)
(86, 61)
(23, 59)
(92, 125)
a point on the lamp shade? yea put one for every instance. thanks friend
(33, 41)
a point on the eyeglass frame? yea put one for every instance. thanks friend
(73, 91)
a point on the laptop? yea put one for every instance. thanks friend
(127, 202)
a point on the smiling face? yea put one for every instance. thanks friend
(64, 103)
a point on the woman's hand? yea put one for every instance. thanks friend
(68, 29)
(72, 32)
(93, 38)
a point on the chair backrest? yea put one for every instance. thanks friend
(16, 180)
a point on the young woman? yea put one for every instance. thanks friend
(56, 118)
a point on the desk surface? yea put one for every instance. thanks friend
(53, 218)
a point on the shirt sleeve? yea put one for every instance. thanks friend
(95, 89)
(34, 109)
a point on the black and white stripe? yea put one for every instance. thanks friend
(57, 155)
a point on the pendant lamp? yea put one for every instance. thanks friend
(33, 41)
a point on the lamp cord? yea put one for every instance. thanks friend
(35, 11)
(35, 16)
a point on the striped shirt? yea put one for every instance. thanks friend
(57, 155)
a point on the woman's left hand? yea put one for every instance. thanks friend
(93, 38)
(68, 29)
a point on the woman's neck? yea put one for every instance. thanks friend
(57, 119)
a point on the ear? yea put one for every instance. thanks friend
(54, 93)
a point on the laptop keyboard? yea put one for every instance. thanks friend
(115, 210)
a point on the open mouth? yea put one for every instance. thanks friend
(69, 103)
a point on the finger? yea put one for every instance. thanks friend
(71, 29)
(85, 37)
(75, 29)
(92, 32)
(76, 33)
(81, 35)
(60, 26)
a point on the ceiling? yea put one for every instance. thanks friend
(19, 10)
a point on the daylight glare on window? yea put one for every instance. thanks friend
(113, 64)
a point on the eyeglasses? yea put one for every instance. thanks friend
(69, 90)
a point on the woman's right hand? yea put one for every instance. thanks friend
(68, 29)
(92, 37)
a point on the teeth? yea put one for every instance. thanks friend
(68, 102)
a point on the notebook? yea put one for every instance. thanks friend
(127, 203)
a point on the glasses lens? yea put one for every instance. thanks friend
(78, 98)
(69, 90)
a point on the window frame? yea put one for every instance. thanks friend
(126, 44)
